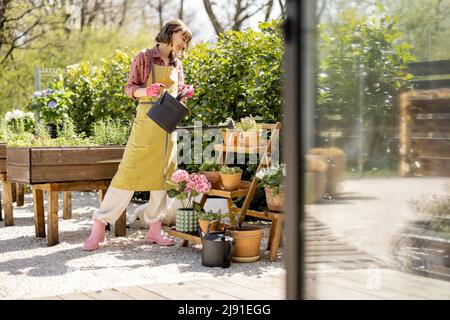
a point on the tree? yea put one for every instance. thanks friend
(23, 22)
(242, 11)
(362, 68)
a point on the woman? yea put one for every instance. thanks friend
(146, 161)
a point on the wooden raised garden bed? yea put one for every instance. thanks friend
(33, 165)
(2, 157)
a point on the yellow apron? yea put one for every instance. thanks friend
(142, 166)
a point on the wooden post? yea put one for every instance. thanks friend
(39, 217)
(8, 203)
(203, 200)
(52, 218)
(13, 192)
(1, 208)
(67, 205)
(120, 227)
(276, 225)
(405, 135)
(20, 194)
(230, 204)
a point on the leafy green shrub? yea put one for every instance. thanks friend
(241, 74)
(230, 170)
(362, 67)
(210, 215)
(247, 124)
(210, 166)
(272, 177)
(110, 131)
(19, 121)
(86, 94)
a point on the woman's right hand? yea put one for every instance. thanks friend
(154, 89)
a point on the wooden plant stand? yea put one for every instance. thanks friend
(247, 189)
(12, 192)
(52, 190)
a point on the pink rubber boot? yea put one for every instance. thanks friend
(156, 235)
(97, 236)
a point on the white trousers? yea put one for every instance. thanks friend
(159, 207)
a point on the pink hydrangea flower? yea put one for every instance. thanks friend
(180, 176)
(199, 183)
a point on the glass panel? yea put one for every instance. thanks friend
(378, 188)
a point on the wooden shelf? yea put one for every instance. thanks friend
(266, 215)
(242, 191)
(185, 236)
(240, 149)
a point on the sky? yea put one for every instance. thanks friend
(202, 27)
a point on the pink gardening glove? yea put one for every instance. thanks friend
(154, 89)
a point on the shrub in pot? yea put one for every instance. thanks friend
(210, 170)
(247, 239)
(272, 179)
(337, 163)
(315, 178)
(231, 178)
(249, 132)
(210, 217)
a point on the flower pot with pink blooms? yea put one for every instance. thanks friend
(186, 188)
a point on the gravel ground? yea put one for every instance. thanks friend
(30, 269)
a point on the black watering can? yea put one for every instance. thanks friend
(217, 250)
(168, 112)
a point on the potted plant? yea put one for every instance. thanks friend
(249, 132)
(186, 188)
(247, 239)
(231, 177)
(337, 163)
(207, 218)
(230, 137)
(315, 178)
(272, 179)
(39, 158)
(210, 170)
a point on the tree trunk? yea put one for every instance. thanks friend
(180, 13)
(269, 10)
(208, 7)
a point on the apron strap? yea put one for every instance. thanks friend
(165, 157)
(153, 73)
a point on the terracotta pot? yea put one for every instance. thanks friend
(214, 178)
(275, 201)
(316, 186)
(247, 243)
(336, 174)
(231, 182)
(230, 137)
(250, 139)
(336, 160)
(216, 226)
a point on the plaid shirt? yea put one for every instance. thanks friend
(141, 68)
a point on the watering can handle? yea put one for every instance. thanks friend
(232, 248)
